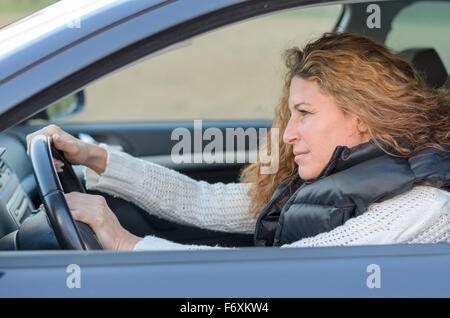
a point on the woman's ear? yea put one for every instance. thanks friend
(363, 130)
(361, 126)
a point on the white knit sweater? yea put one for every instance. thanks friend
(421, 215)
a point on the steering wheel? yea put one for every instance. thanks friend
(73, 235)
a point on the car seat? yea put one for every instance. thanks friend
(428, 63)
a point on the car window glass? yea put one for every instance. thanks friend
(231, 73)
(424, 24)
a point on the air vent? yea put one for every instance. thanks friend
(2, 163)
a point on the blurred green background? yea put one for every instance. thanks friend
(12, 10)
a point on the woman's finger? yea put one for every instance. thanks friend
(82, 216)
(58, 163)
(64, 144)
(77, 201)
(93, 205)
(49, 130)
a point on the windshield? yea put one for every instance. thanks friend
(14, 10)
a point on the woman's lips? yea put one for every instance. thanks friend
(299, 155)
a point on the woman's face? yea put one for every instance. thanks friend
(317, 126)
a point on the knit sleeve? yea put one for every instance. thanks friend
(421, 215)
(153, 243)
(173, 196)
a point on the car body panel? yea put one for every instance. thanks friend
(403, 271)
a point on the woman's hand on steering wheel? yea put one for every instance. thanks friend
(94, 211)
(75, 150)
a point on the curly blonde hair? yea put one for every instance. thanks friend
(368, 81)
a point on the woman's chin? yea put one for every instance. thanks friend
(306, 174)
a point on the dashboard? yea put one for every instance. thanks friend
(16, 185)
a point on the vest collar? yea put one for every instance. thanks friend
(344, 158)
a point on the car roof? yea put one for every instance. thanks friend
(54, 27)
(58, 15)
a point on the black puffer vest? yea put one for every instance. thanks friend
(352, 180)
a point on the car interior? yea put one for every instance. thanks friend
(19, 197)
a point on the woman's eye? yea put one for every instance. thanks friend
(303, 112)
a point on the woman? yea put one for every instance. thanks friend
(364, 159)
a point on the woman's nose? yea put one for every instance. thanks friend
(291, 134)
